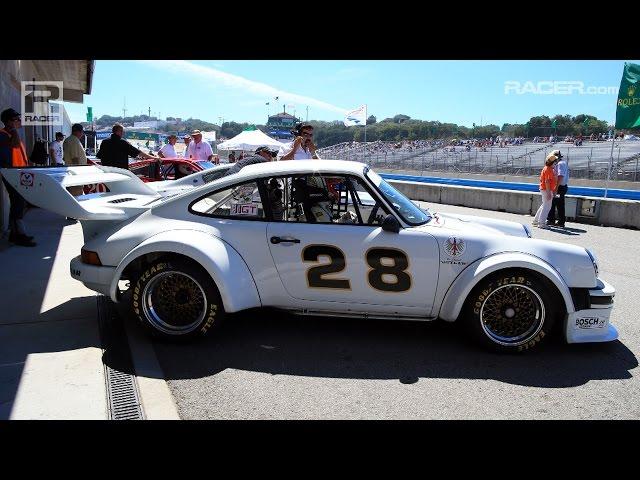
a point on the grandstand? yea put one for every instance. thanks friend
(590, 160)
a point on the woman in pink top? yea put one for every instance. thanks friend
(547, 191)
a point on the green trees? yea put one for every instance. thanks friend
(398, 128)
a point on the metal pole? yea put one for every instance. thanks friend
(365, 140)
(606, 185)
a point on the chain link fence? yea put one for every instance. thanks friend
(591, 160)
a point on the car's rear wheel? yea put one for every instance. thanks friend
(177, 299)
(512, 310)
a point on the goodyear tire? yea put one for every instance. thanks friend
(512, 310)
(176, 299)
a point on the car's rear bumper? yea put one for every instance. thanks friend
(94, 277)
(592, 324)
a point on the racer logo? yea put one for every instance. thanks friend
(26, 179)
(36, 103)
(454, 246)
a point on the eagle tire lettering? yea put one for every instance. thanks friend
(215, 310)
(529, 311)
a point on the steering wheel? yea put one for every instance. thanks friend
(372, 215)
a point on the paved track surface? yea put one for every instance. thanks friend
(268, 365)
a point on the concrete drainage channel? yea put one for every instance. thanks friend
(122, 389)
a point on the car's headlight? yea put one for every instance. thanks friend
(527, 230)
(594, 260)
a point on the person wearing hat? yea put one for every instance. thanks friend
(13, 155)
(168, 150)
(262, 154)
(547, 191)
(561, 169)
(199, 150)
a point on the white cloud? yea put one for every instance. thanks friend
(240, 83)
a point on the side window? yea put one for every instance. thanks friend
(169, 171)
(141, 170)
(239, 201)
(335, 199)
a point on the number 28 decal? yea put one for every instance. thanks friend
(389, 275)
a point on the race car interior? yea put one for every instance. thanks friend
(297, 198)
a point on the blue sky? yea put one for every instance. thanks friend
(462, 92)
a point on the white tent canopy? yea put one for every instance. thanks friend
(249, 140)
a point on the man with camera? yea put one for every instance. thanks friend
(302, 148)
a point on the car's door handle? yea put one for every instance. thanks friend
(276, 240)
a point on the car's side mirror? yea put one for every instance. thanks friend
(391, 224)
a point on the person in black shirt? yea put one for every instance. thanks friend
(115, 151)
(262, 154)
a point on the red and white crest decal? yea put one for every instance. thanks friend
(454, 246)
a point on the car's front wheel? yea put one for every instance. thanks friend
(512, 310)
(176, 299)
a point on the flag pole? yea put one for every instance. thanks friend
(365, 133)
(613, 140)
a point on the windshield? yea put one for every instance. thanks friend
(408, 210)
(206, 165)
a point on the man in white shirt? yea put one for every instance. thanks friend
(199, 150)
(187, 140)
(561, 170)
(302, 148)
(55, 150)
(168, 150)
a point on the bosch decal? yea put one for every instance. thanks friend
(591, 322)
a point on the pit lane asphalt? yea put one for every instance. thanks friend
(267, 365)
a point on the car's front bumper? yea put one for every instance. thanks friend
(592, 324)
(94, 277)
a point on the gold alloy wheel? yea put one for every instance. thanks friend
(511, 315)
(174, 303)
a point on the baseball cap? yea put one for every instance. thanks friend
(8, 114)
(271, 150)
(557, 153)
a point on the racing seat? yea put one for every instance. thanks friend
(307, 199)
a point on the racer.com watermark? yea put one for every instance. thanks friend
(556, 87)
(35, 102)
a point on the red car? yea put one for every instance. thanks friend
(167, 168)
(154, 171)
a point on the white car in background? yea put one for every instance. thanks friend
(328, 238)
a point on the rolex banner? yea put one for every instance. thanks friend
(628, 106)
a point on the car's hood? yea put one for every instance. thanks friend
(468, 223)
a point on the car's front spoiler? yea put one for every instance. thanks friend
(592, 324)
(94, 277)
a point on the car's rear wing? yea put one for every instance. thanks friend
(47, 188)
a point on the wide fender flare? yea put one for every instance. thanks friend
(465, 282)
(223, 263)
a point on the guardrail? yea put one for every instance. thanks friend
(582, 209)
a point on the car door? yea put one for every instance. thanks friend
(236, 211)
(353, 261)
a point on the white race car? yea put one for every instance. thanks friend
(318, 238)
